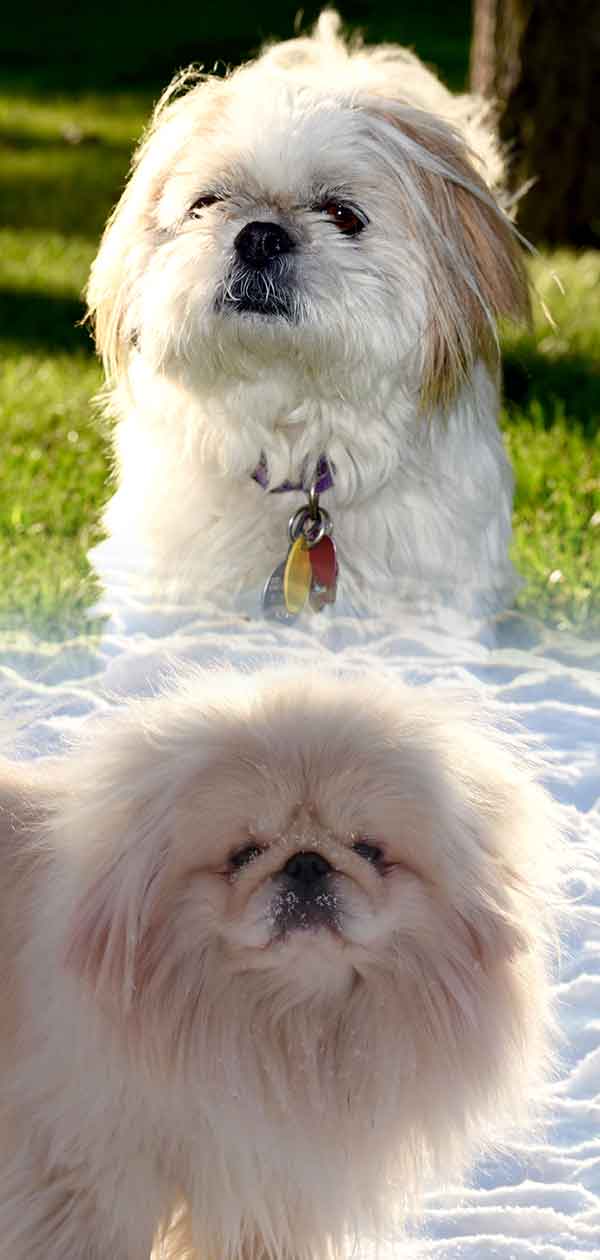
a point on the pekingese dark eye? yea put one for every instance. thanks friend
(348, 220)
(370, 852)
(202, 203)
(244, 856)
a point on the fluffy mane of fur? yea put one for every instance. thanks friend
(163, 1045)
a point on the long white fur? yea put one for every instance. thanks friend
(386, 369)
(166, 1061)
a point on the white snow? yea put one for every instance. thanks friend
(542, 1199)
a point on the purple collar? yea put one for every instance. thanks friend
(323, 477)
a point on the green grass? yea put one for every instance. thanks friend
(54, 474)
(64, 160)
(552, 431)
(64, 157)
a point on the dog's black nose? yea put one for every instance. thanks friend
(259, 243)
(306, 868)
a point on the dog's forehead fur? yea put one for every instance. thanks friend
(260, 778)
(349, 760)
(282, 146)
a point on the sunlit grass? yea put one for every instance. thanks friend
(557, 521)
(552, 429)
(54, 482)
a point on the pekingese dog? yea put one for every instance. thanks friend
(274, 955)
(300, 287)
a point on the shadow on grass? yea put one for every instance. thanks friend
(569, 382)
(120, 45)
(70, 190)
(43, 320)
(22, 139)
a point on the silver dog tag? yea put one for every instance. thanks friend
(273, 600)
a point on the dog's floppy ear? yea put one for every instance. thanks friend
(473, 264)
(511, 827)
(125, 778)
(25, 799)
(132, 232)
(113, 829)
(124, 247)
(109, 939)
(495, 935)
(20, 805)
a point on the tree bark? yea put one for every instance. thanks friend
(540, 61)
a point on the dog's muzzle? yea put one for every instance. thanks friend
(304, 898)
(259, 279)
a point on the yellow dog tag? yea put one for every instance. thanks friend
(297, 577)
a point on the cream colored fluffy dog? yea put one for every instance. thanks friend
(274, 955)
(307, 265)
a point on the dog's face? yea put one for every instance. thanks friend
(273, 237)
(312, 915)
(288, 825)
(296, 211)
(313, 866)
(312, 877)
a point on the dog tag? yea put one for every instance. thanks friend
(297, 576)
(273, 601)
(323, 562)
(324, 570)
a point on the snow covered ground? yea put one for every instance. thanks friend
(543, 1199)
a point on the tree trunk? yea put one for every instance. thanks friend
(540, 60)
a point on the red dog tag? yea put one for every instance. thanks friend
(323, 562)
(324, 569)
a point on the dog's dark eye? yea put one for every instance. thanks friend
(244, 856)
(348, 220)
(203, 203)
(370, 852)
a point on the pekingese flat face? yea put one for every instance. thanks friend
(316, 842)
(308, 919)
(316, 210)
(308, 873)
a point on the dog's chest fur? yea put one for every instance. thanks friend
(418, 505)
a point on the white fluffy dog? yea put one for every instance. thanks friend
(307, 265)
(274, 954)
